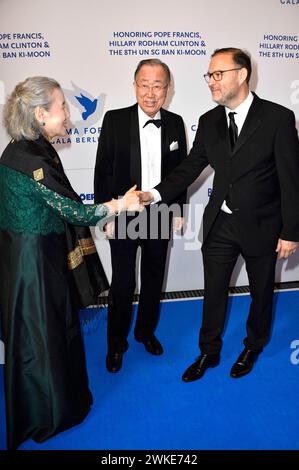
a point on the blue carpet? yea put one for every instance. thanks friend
(147, 406)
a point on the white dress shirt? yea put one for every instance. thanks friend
(150, 146)
(241, 112)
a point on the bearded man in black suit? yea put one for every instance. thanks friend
(138, 145)
(252, 144)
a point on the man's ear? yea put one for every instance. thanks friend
(243, 74)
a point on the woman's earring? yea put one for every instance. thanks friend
(42, 123)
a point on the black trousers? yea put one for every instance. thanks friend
(220, 252)
(123, 258)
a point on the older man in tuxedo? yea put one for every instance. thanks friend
(252, 144)
(138, 145)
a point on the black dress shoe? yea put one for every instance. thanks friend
(198, 368)
(244, 363)
(114, 361)
(152, 345)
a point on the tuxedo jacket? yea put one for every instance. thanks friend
(118, 162)
(261, 174)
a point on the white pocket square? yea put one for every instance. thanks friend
(173, 146)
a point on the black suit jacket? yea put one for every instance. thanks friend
(261, 175)
(118, 163)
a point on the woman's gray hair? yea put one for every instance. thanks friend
(19, 110)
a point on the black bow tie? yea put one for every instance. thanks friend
(157, 122)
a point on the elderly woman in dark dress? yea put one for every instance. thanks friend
(48, 268)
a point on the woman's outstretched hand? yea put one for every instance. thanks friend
(130, 201)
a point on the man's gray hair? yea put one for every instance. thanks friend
(153, 62)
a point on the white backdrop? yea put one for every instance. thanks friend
(92, 48)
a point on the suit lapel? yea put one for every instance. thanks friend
(135, 152)
(221, 136)
(252, 123)
(164, 140)
(222, 129)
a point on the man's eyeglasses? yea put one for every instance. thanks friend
(217, 75)
(155, 88)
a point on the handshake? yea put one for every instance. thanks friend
(132, 201)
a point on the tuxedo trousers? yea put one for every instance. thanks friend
(220, 251)
(152, 267)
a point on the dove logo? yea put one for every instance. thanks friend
(87, 113)
(89, 105)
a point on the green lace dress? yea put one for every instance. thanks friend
(46, 384)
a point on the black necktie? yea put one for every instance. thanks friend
(233, 130)
(157, 122)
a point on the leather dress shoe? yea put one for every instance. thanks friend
(198, 368)
(244, 363)
(152, 345)
(114, 362)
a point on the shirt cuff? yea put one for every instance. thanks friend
(156, 196)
